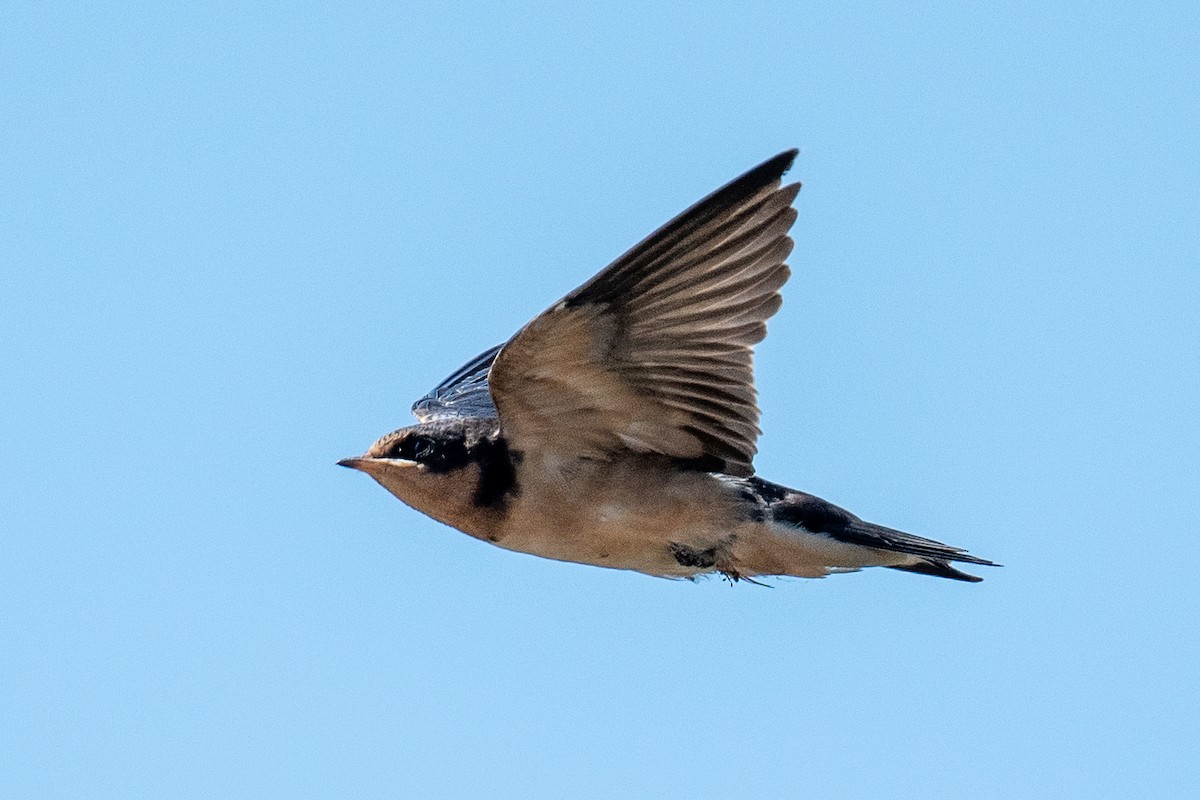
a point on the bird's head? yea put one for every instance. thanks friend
(457, 471)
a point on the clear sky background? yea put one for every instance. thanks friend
(237, 240)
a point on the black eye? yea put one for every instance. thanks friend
(416, 448)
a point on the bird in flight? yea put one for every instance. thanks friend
(618, 428)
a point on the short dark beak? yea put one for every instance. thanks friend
(352, 463)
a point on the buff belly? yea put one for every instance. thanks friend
(668, 524)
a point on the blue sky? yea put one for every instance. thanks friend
(239, 240)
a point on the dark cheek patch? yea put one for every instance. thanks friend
(497, 473)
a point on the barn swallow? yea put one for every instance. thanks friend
(619, 427)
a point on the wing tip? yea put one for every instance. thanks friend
(767, 174)
(773, 169)
(785, 159)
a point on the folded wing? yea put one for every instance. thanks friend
(463, 394)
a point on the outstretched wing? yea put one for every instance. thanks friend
(654, 354)
(463, 394)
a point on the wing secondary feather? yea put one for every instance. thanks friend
(654, 354)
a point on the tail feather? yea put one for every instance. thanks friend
(869, 534)
(819, 516)
(940, 569)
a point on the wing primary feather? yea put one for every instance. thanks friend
(664, 270)
(771, 280)
(692, 221)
